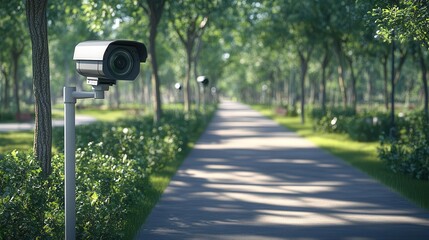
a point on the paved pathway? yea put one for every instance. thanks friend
(249, 178)
(27, 126)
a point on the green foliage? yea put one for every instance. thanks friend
(6, 116)
(113, 165)
(409, 19)
(106, 188)
(364, 127)
(333, 120)
(368, 127)
(30, 205)
(408, 152)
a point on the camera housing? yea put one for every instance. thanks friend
(104, 62)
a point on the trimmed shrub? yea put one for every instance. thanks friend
(113, 162)
(408, 152)
(106, 187)
(30, 205)
(363, 127)
(368, 127)
(333, 121)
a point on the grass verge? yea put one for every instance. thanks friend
(361, 155)
(21, 141)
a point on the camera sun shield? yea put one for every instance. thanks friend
(104, 62)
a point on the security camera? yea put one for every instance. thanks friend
(203, 80)
(104, 62)
(178, 86)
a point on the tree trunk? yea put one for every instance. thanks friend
(304, 66)
(385, 80)
(37, 23)
(195, 77)
(353, 90)
(425, 83)
(402, 58)
(340, 69)
(16, 53)
(325, 63)
(117, 97)
(15, 60)
(155, 82)
(369, 87)
(187, 92)
(303, 74)
(5, 98)
(155, 10)
(392, 94)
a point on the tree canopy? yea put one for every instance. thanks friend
(298, 54)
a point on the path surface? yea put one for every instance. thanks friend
(27, 126)
(249, 178)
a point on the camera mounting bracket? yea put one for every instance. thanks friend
(100, 81)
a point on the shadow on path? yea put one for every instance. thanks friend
(249, 178)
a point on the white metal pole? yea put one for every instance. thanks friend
(70, 95)
(70, 163)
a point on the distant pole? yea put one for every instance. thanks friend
(392, 96)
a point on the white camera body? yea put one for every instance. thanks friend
(104, 62)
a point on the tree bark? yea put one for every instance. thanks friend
(37, 24)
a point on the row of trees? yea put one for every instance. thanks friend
(335, 52)
(325, 53)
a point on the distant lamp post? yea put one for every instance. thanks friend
(264, 93)
(178, 87)
(204, 82)
(214, 94)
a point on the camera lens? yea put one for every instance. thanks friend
(120, 62)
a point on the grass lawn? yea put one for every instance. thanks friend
(359, 154)
(21, 141)
(108, 115)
